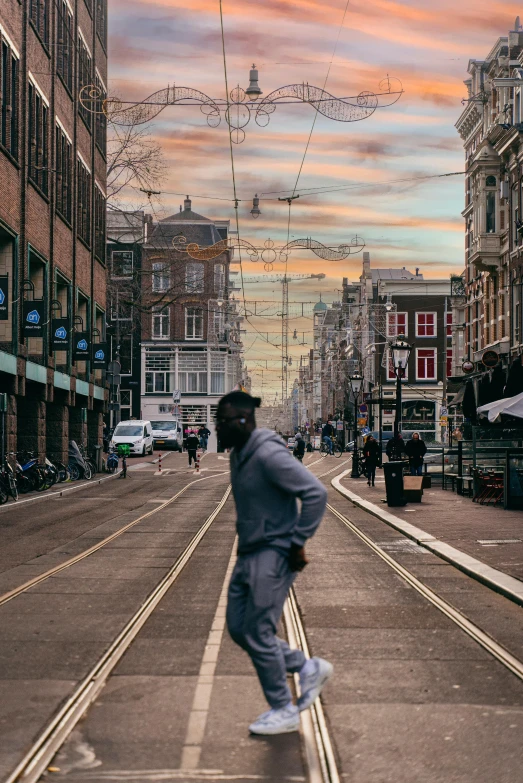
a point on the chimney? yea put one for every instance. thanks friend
(417, 271)
(187, 204)
(366, 265)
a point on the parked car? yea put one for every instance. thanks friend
(138, 435)
(291, 442)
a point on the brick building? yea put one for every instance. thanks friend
(191, 332)
(52, 221)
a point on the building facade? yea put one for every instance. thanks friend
(354, 336)
(52, 222)
(191, 341)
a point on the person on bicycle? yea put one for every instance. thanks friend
(327, 434)
(372, 454)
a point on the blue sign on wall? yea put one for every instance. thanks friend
(60, 334)
(81, 346)
(100, 356)
(34, 318)
(4, 297)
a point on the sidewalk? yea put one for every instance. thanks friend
(489, 534)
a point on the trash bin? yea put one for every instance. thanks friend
(394, 482)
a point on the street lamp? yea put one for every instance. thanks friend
(400, 357)
(355, 385)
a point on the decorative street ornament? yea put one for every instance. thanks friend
(238, 108)
(269, 254)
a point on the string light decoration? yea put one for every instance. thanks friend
(238, 108)
(268, 253)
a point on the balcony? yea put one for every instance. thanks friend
(486, 252)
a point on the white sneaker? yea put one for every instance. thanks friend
(313, 675)
(281, 721)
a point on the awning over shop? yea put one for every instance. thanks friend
(511, 406)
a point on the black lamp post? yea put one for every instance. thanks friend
(400, 356)
(355, 385)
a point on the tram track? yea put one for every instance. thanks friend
(319, 760)
(487, 642)
(16, 591)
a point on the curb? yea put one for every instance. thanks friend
(506, 585)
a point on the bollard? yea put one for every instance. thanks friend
(198, 455)
(159, 463)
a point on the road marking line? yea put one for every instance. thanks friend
(192, 746)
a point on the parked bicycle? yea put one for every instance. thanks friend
(8, 485)
(111, 464)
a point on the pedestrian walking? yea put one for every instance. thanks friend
(395, 448)
(299, 447)
(192, 444)
(327, 434)
(416, 450)
(204, 434)
(272, 532)
(372, 454)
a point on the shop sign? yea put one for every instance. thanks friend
(60, 334)
(34, 318)
(4, 297)
(100, 355)
(81, 346)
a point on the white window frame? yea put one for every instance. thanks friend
(193, 317)
(219, 278)
(160, 315)
(160, 277)
(390, 316)
(435, 355)
(195, 277)
(425, 336)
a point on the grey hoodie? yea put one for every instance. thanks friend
(266, 481)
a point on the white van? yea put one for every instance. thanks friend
(138, 435)
(167, 434)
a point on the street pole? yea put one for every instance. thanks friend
(397, 421)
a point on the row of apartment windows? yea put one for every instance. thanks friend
(194, 278)
(426, 324)
(425, 365)
(192, 374)
(89, 107)
(194, 320)
(40, 14)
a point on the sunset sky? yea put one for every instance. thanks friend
(426, 44)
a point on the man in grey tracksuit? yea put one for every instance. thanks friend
(272, 531)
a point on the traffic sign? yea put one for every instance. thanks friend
(177, 396)
(363, 408)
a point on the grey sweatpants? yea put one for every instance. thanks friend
(259, 585)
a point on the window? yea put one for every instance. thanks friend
(158, 371)
(160, 324)
(160, 277)
(426, 364)
(83, 206)
(100, 121)
(425, 324)
(217, 373)
(491, 182)
(122, 263)
(65, 44)
(194, 278)
(85, 79)
(125, 404)
(101, 21)
(448, 319)
(39, 16)
(449, 362)
(38, 140)
(219, 279)
(126, 354)
(99, 224)
(491, 213)
(63, 174)
(193, 323)
(192, 372)
(397, 323)
(8, 99)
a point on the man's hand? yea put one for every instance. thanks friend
(297, 558)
